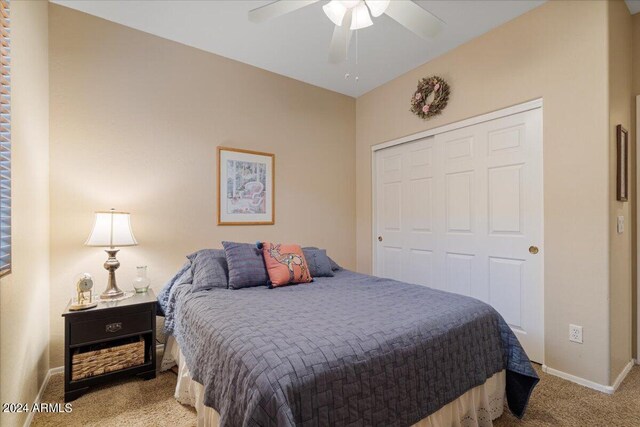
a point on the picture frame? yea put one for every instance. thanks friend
(622, 183)
(246, 187)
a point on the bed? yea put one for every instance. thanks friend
(348, 350)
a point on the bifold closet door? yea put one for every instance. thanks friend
(462, 212)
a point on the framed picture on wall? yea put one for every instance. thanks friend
(245, 187)
(623, 163)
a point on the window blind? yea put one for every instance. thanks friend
(5, 138)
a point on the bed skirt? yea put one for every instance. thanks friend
(477, 407)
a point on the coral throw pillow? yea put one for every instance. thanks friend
(285, 264)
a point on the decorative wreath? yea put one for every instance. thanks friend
(430, 98)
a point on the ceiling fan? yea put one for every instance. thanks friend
(349, 15)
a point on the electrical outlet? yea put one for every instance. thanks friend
(575, 333)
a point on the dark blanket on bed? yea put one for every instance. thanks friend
(349, 350)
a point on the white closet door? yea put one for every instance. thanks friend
(389, 169)
(462, 212)
(406, 243)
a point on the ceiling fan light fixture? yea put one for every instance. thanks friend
(361, 17)
(335, 11)
(377, 7)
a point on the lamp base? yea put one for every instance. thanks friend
(111, 264)
(111, 294)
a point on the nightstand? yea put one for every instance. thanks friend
(113, 340)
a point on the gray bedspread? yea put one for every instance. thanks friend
(351, 350)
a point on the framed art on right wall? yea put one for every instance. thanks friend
(622, 187)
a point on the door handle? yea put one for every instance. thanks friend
(533, 250)
(379, 238)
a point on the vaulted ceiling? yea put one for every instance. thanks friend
(296, 45)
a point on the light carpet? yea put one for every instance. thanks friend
(135, 402)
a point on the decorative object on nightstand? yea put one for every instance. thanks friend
(83, 287)
(110, 341)
(111, 229)
(141, 282)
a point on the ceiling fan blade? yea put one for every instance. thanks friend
(277, 8)
(340, 40)
(414, 18)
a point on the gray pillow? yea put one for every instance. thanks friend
(318, 262)
(334, 265)
(246, 265)
(209, 268)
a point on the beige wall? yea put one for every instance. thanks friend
(620, 255)
(633, 135)
(636, 53)
(135, 120)
(122, 110)
(24, 294)
(558, 52)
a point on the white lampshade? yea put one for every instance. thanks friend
(377, 7)
(361, 17)
(111, 229)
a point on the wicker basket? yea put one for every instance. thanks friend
(102, 361)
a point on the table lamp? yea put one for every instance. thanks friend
(111, 229)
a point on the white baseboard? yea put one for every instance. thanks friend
(43, 387)
(608, 389)
(45, 383)
(622, 375)
(578, 380)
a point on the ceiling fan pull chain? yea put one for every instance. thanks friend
(357, 68)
